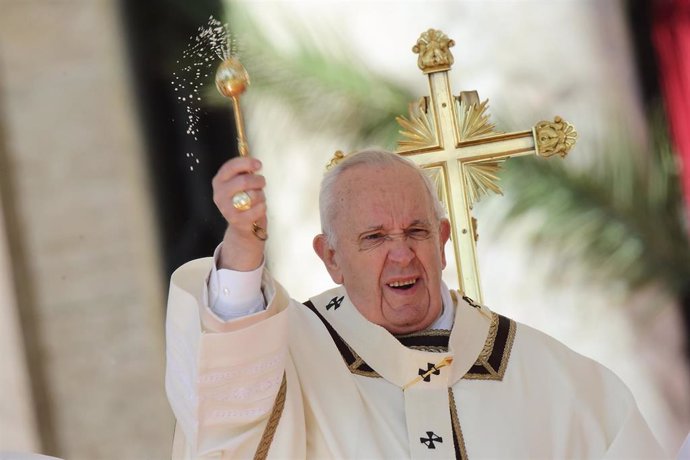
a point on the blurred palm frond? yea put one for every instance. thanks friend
(325, 85)
(623, 216)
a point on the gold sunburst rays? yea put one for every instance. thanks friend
(482, 178)
(435, 174)
(473, 120)
(418, 130)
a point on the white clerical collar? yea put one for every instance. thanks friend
(445, 320)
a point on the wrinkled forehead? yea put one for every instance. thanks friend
(379, 195)
(374, 180)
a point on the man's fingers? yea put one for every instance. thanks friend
(252, 185)
(238, 176)
(245, 219)
(245, 182)
(237, 181)
(255, 196)
(235, 166)
(225, 205)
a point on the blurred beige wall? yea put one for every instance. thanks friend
(88, 287)
(18, 429)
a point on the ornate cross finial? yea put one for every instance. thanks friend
(555, 137)
(433, 47)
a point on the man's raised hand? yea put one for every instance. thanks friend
(242, 249)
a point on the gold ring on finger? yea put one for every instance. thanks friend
(241, 201)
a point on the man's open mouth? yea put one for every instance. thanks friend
(403, 284)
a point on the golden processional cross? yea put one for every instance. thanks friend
(452, 138)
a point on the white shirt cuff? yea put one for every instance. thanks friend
(233, 294)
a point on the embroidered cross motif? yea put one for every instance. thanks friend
(426, 374)
(472, 302)
(335, 303)
(430, 440)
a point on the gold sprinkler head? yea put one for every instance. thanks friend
(231, 78)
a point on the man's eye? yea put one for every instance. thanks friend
(418, 233)
(371, 240)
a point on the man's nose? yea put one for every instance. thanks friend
(400, 252)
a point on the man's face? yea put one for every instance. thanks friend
(389, 247)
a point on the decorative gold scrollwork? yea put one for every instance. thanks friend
(555, 137)
(433, 47)
(338, 156)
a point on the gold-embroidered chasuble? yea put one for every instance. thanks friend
(423, 382)
(506, 381)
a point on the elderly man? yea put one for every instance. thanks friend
(390, 364)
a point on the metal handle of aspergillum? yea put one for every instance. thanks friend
(232, 80)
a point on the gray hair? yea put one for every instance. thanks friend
(372, 157)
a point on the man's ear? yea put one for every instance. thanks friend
(443, 236)
(327, 255)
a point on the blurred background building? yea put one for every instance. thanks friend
(102, 196)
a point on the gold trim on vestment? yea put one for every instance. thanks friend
(508, 348)
(272, 425)
(425, 333)
(490, 341)
(488, 350)
(456, 424)
(431, 349)
(354, 367)
(372, 374)
(501, 330)
(358, 361)
(482, 360)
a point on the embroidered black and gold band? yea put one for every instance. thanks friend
(458, 440)
(493, 360)
(346, 352)
(490, 365)
(433, 340)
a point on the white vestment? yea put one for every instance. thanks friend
(320, 381)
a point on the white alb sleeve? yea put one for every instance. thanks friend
(233, 294)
